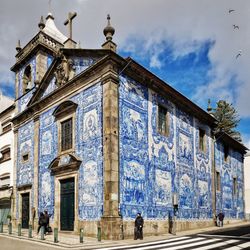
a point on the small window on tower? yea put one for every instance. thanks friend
(234, 186)
(163, 126)
(226, 153)
(218, 181)
(202, 137)
(25, 157)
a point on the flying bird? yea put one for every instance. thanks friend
(239, 54)
(236, 26)
(230, 10)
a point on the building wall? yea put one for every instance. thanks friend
(247, 184)
(231, 204)
(25, 168)
(6, 167)
(88, 147)
(154, 167)
(7, 140)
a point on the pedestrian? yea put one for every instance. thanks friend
(221, 218)
(138, 233)
(46, 215)
(41, 222)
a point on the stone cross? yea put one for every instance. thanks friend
(69, 21)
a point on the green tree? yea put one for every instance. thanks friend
(227, 119)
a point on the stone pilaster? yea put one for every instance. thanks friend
(14, 194)
(111, 220)
(34, 210)
(213, 169)
(41, 65)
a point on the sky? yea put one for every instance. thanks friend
(192, 44)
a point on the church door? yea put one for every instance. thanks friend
(67, 207)
(25, 210)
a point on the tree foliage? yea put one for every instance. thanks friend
(227, 119)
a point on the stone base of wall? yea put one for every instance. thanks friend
(163, 227)
(89, 228)
(114, 228)
(189, 225)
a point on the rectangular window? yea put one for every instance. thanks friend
(5, 181)
(217, 181)
(234, 186)
(66, 135)
(162, 120)
(6, 128)
(226, 153)
(202, 134)
(5, 155)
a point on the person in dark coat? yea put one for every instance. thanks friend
(221, 218)
(46, 215)
(138, 227)
(41, 222)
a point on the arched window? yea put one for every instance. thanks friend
(27, 79)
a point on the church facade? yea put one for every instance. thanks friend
(99, 138)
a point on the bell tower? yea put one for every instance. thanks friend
(34, 59)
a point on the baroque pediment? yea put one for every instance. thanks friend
(66, 66)
(65, 163)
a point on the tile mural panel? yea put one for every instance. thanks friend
(231, 204)
(48, 149)
(25, 165)
(88, 148)
(153, 167)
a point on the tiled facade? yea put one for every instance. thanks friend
(126, 165)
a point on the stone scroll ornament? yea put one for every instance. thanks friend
(65, 71)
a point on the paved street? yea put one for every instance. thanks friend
(242, 231)
(7, 243)
(232, 237)
(184, 242)
(189, 243)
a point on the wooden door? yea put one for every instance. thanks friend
(67, 206)
(25, 210)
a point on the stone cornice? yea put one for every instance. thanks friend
(142, 75)
(40, 41)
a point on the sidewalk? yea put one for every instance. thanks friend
(72, 241)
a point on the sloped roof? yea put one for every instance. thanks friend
(51, 29)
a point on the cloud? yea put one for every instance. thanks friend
(159, 33)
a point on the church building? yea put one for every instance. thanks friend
(99, 138)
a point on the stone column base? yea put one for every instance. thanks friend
(111, 227)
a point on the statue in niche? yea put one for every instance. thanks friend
(26, 80)
(65, 71)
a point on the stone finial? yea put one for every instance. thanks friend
(209, 108)
(18, 46)
(41, 24)
(108, 31)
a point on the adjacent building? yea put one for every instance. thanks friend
(247, 184)
(7, 109)
(100, 138)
